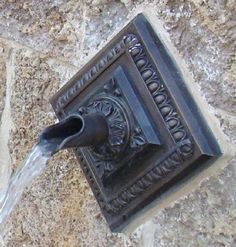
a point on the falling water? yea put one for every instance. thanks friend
(33, 166)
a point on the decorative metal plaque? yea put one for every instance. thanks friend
(157, 135)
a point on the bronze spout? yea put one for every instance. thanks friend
(74, 131)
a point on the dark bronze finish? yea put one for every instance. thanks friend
(157, 136)
(74, 131)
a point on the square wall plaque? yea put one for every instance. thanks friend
(157, 135)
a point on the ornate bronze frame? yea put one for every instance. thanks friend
(157, 133)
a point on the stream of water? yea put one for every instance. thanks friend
(32, 167)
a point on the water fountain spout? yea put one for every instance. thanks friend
(74, 131)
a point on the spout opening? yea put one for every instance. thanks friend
(64, 129)
(53, 138)
(74, 131)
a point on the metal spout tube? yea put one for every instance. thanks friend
(74, 131)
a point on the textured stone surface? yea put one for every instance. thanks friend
(206, 217)
(35, 82)
(61, 198)
(61, 28)
(3, 58)
(101, 21)
(59, 208)
(47, 27)
(208, 46)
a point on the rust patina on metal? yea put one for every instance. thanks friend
(157, 135)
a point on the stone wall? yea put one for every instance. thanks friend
(42, 44)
